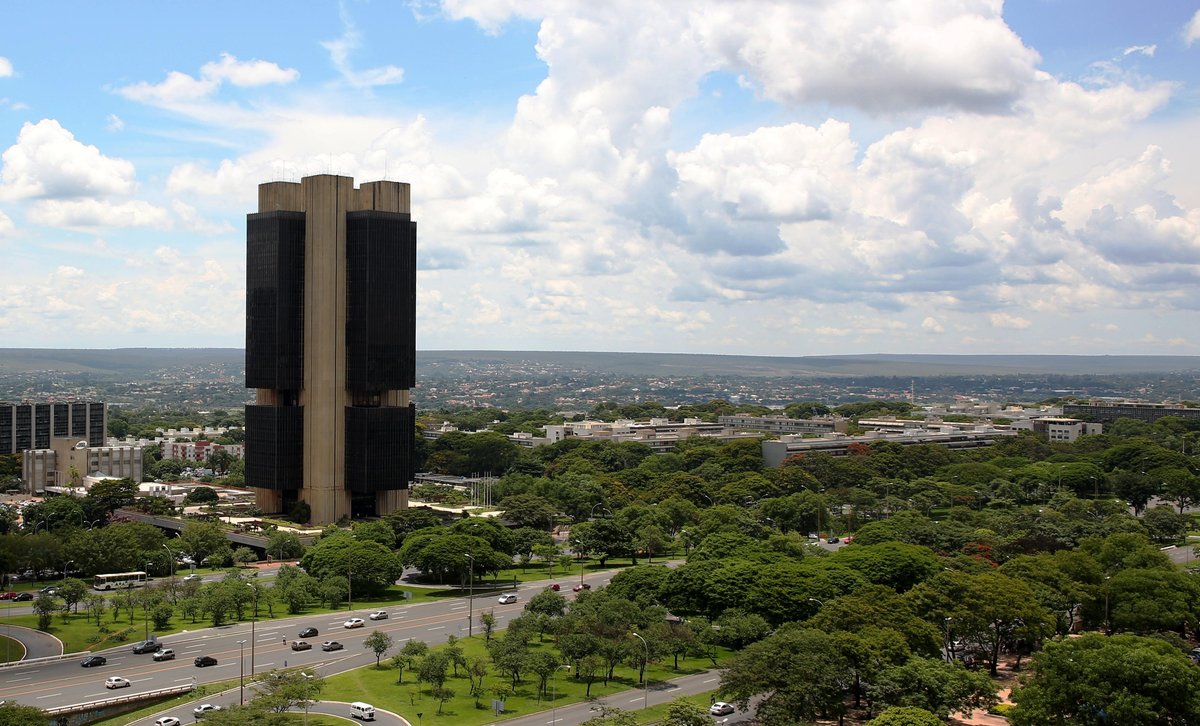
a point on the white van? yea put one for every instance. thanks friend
(363, 711)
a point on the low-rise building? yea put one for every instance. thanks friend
(785, 425)
(70, 462)
(1059, 429)
(776, 452)
(1109, 410)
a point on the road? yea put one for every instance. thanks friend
(64, 682)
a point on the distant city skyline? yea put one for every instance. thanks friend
(767, 178)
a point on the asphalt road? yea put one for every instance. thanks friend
(64, 682)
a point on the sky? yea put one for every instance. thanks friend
(712, 176)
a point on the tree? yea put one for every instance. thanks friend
(378, 642)
(1164, 525)
(442, 694)
(73, 591)
(285, 690)
(44, 607)
(1122, 679)
(682, 712)
(244, 556)
(508, 656)
(934, 685)
(284, 545)
(906, 716)
(602, 539)
(800, 670)
(372, 566)
(412, 651)
(109, 495)
(14, 714)
(432, 668)
(201, 539)
(487, 621)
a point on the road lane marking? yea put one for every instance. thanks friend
(50, 695)
(18, 680)
(139, 680)
(711, 680)
(180, 680)
(264, 665)
(438, 627)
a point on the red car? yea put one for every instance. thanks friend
(554, 587)
(7, 595)
(582, 586)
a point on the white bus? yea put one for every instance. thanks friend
(120, 581)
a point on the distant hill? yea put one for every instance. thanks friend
(135, 362)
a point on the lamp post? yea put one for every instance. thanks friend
(170, 561)
(1107, 625)
(818, 602)
(66, 566)
(242, 672)
(470, 594)
(253, 622)
(645, 680)
(146, 608)
(350, 589)
(554, 692)
(307, 678)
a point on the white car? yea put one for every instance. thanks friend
(117, 682)
(193, 578)
(204, 708)
(167, 721)
(720, 708)
(378, 615)
(507, 598)
(354, 623)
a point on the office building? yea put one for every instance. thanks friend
(330, 346)
(1108, 411)
(776, 452)
(25, 426)
(1058, 429)
(69, 463)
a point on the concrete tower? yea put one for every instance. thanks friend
(331, 346)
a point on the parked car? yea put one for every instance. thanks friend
(93, 660)
(329, 645)
(117, 682)
(507, 598)
(555, 587)
(23, 596)
(582, 586)
(164, 654)
(308, 633)
(205, 708)
(832, 540)
(354, 623)
(205, 660)
(301, 645)
(168, 721)
(379, 615)
(720, 708)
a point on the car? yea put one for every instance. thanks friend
(205, 660)
(379, 615)
(93, 660)
(205, 708)
(354, 623)
(167, 721)
(720, 708)
(193, 578)
(832, 540)
(117, 682)
(49, 589)
(308, 633)
(146, 646)
(507, 598)
(555, 587)
(301, 645)
(23, 596)
(7, 595)
(164, 654)
(329, 645)
(582, 586)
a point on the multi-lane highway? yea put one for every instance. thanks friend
(65, 682)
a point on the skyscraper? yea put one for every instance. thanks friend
(331, 346)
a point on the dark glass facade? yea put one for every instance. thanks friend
(78, 419)
(275, 300)
(60, 417)
(6, 430)
(381, 299)
(96, 432)
(379, 447)
(275, 447)
(41, 426)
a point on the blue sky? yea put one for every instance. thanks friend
(772, 178)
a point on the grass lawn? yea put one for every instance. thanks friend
(10, 650)
(197, 697)
(378, 687)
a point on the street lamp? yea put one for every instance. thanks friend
(170, 561)
(350, 589)
(645, 665)
(242, 672)
(65, 568)
(554, 692)
(1107, 625)
(253, 622)
(818, 602)
(470, 595)
(307, 678)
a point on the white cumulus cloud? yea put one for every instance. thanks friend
(1005, 320)
(1191, 32)
(47, 161)
(6, 68)
(91, 213)
(179, 87)
(247, 73)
